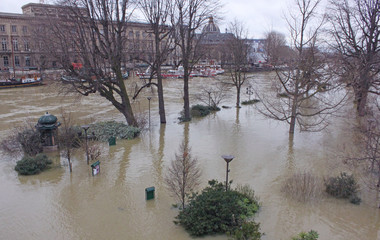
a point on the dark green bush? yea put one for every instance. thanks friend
(247, 231)
(311, 235)
(199, 110)
(202, 110)
(253, 101)
(216, 210)
(104, 130)
(343, 186)
(32, 165)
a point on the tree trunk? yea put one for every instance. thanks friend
(362, 92)
(238, 96)
(126, 104)
(186, 101)
(160, 91)
(362, 102)
(293, 116)
(69, 159)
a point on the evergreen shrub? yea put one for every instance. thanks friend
(343, 186)
(253, 101)
(32, 165)
(216, 210)
(311, 235)
(104, 130)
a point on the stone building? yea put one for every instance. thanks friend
(213, 43)
(20, 49)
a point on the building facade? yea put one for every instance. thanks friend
(20, 49)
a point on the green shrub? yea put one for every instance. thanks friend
(199, 110)
(216, 210)
(32, 165)
(104, 130)
(247, 231)
(312, 235)
(253, 101)
(343, 186)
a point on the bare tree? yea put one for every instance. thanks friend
(306, 79)
(214, 94)
(157, 13)
(237, 49)
(25, 139)
(356, 30)
(92, 35)
(187, 18)
(275, 48)
(68, 139)
(183, 174)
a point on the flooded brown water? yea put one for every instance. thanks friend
(58, 205)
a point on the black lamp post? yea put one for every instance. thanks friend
(149, 98)
(85, 128)
(249, 92)
(228, 159)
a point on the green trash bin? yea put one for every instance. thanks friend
(149, 193)
(112, 141)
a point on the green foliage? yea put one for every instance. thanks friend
(32, 165)
(199, 110)
(247, 231)
(253, 101)
(216, 210)
(311, 235)
(202, 110)
(30, 141)
(343, 186)
(104, 130)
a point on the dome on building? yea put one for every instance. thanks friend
(47, 121)
(211, 27)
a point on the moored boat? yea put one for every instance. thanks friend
(28, 81)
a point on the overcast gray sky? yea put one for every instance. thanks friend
(258, 16)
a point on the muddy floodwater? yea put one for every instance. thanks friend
(57, 204)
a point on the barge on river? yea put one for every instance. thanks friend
(29, 81)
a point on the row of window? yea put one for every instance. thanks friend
(4, 45)
(14, 28)
(17, 61)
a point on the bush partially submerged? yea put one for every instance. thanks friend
(253, 101)
(302, 186)
(32, 165)
(311, 235)
(216, 210)
(202, 110)
(104, 130)
(248, 230)
(343, 186)
(24, 139)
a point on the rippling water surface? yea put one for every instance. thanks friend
(58, 205)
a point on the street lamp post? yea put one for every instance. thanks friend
(85, 128)
(249, 92)
(228, 159)
(149, 98)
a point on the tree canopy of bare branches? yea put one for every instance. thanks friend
(183, 174)
(356, 31)
(187, 18)
(92, 34)
(157, 13)
(304, 83)
(275, 48)
(238, 49)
